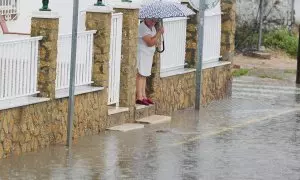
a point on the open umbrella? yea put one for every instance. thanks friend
(164, 9)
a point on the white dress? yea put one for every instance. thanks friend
(145, 53)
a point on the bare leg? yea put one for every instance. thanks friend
(144, 88)
(139, 87)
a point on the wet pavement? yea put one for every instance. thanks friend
(253, 135)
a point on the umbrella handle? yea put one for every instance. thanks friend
(163, 40)
(163, 43)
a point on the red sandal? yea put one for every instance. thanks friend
(149, 101)
(142, 102)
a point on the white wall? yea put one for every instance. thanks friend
(63, 7)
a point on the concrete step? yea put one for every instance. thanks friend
(126, 127)
(142, 111)
(154, 119)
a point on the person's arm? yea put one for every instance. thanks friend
(152, 41)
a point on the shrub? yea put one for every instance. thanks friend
(282, 39)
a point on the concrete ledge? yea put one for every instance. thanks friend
(45, 15)
(176, 72)
(116, 110)
(126, 127)
(21, 101)
(215, 64)
(126, 5)
(154, 119)
(100, 9)
(139, 106)
(63, 93)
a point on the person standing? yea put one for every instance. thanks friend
(148, 38)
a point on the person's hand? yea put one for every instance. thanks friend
(161, 30)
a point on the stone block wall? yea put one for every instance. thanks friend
(48, 28)
(191, 40)
(228, 8)
(174, 93)
(32, 127)
(216, 83)
(178, 91)
(129, 58)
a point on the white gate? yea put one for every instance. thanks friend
(212, 35)
(173, 58)
(115, 59)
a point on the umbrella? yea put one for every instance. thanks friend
(164, 9)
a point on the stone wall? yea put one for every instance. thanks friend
(191, 40)
(228, 7)
(129, 58)
(48, 28)
(174, 93)
(32, 127)
(216, 83)
(178, 91)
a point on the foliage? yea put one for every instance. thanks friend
(282, 39)
(240, 72)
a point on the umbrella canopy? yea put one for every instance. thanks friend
(164, 9)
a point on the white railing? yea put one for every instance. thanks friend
(18, 67)
(8, 8)
(173, 58)
(212, 35)
(84, 60)
(115, 59)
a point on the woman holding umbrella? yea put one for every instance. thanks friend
(147, 40)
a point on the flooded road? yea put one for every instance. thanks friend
(253, 135)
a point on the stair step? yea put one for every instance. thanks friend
(126, 127)
(154, 119)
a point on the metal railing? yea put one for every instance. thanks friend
(115, 59)
(84, 60)
(18, 67)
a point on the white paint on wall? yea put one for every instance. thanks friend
(65, 10)
(63, 7)
(297, 11)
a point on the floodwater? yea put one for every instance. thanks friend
(253, 135)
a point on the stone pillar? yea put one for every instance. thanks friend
(129, 54)
(99, 18)
(228, 29)
(191, 39)
(46, 24)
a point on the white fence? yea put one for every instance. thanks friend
(8, 8)
(115, 59)
(212, 36)
(18, 67)
(173, 58)
(84, 59)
